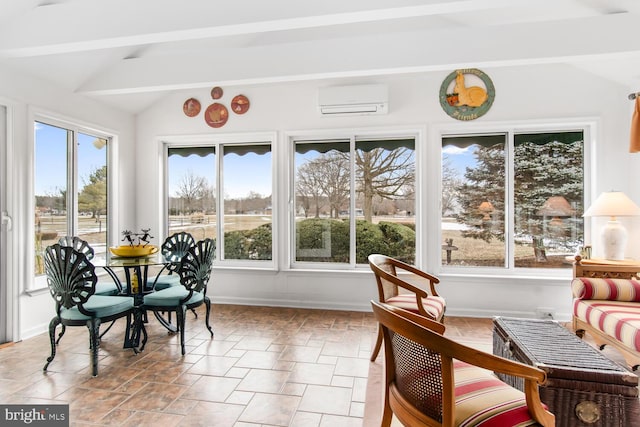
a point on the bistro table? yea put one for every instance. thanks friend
(136, 272)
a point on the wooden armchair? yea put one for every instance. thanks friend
(413, 298)
(431, 380)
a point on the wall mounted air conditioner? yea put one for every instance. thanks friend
(353, 100)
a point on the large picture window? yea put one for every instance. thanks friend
(223, 191)
(353, 197)
(70, 188)
(512, 200)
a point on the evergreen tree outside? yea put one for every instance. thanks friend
(545, 166)
(93, 196)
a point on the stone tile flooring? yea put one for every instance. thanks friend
(265, 367)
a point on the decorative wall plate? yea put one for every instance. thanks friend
(240, 104)
(464, 102)
(216, 115)
(191, 107)
(216, 92)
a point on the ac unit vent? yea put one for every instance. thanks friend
(353, 100)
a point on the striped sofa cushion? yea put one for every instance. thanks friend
(483, 400)
(433, 305)
(606, 289)
(618, 319)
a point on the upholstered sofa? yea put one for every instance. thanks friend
(609, 310)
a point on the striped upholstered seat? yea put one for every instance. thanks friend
(432, 380)
(483, 400)
(611, 306)
(433, 305)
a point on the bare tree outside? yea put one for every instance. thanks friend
(308, 188)
(191, 189)
(335, 185)
(385, 174)
(381, 176)
(451, 182)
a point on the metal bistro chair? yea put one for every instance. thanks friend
(72, 282)
(102, 288)
(431, 380)
(386, 269)
(195, 271)
(173, 249)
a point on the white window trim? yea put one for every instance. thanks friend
(288, 139)
(591, 128)
(39, 283)
(177, 141)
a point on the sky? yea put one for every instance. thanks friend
(460, 158)
(242, 174)
(51, 159)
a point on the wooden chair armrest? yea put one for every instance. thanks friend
(420, 293)
(433, 280)
(423, 321)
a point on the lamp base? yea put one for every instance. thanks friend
(614, 239)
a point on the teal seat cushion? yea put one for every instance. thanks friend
(108, 288)
(164, 282)
(101, 305)
(171, 297)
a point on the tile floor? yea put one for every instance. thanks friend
(265, 367)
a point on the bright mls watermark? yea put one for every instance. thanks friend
(34, 415)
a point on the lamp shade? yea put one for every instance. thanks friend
(614, 235)
(613, 204)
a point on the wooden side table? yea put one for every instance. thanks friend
(597, 267)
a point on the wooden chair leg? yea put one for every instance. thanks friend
(378, 345)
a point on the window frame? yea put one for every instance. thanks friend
(38, 283)
(352, 135)
(219, 141)
(589, 127)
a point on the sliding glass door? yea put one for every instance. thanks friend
(4, 225)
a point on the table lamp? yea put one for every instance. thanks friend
(614, 236)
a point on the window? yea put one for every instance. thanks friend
(512, 199)
(70, 188)
(226, 198)
(354, 196)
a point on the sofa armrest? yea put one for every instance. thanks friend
(606, 289)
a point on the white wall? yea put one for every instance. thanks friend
(524, 93)
(24, 96)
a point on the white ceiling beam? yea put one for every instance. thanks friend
(87, 25)
(530, 43)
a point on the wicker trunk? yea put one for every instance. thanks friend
(584, 388)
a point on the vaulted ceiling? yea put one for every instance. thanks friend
(130, 53)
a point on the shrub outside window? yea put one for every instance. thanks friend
(353, 197)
